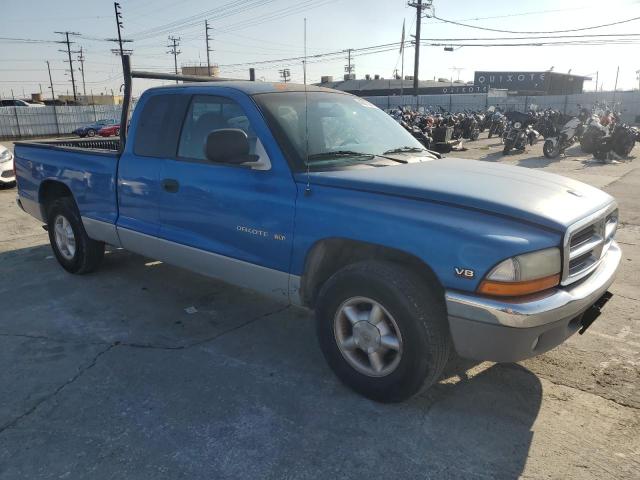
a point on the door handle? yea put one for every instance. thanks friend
(170, 185)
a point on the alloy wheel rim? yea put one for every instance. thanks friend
(368, 336)
(64, 237)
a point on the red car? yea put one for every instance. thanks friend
(109, 130)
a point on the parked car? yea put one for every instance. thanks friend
(109, 131)
(93, 128)
(7, 175)
(18, 103)
(320, 199)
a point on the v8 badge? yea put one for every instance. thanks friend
(465, 273)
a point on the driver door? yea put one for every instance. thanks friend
(229, 221)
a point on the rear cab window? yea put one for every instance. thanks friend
(158, 128)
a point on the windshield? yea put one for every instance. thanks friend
(342, 129)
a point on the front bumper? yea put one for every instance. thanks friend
(508, 330)
(6, 173)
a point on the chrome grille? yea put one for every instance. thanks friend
(586, 242)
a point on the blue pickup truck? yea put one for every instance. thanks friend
(320, 199)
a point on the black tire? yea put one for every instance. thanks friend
(587, 144)
(88, 253)
(419, 312)
(91, 132)
(601, 155)
(507, 148)
(549, 151)
(624, 146)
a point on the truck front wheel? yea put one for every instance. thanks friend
(383, 330)
(74, 250)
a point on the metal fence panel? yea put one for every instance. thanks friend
(627, 103)
(25, 122)
(21, 122)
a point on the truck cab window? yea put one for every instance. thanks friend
(206, 114)
(159, 126)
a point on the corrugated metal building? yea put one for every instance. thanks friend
(373, 87)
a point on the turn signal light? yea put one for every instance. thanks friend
(514, 289)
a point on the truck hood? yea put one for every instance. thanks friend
(543, 198)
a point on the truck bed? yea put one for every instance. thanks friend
(86, 168)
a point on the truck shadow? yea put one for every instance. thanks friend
(475, 423)
(537, 162)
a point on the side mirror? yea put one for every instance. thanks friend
(228, 145)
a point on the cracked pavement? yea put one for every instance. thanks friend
(109, 376)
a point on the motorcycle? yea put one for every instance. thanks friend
(594, 134)
(558, 140)
(497, 125)
(619, 142)
(520, 132)
(469, 127)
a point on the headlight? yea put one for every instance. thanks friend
(524, 274)
(5, 156)
(517, 125)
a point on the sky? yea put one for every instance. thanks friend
(252, 31)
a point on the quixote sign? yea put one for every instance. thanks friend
(464, 89)
(511, 80)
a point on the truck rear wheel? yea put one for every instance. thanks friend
(74, 250)
(383, 330)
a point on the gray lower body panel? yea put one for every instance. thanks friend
(102, 231)
(267, 281)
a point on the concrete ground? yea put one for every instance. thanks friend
(109, 376)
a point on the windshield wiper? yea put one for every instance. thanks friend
(340, 153)
(405, 150)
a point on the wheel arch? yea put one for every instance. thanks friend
(327, 256)
(49, 191)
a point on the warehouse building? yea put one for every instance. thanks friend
(532, 83)
(511, 83)
(376, 86)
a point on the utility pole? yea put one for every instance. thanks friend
(416, 62)
(349, 67)
(119, 25)
(615, 88)
(206, 29)
(304, 63)
(638, 78)
(81, 60)
(117, 8)
(69, 52)
(285, 74)
(174, 51)
(53, 95)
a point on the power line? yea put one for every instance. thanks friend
(231, 8)
(453, 22)
(25, 40)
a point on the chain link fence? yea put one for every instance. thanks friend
(627, 103)
(28, 122)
